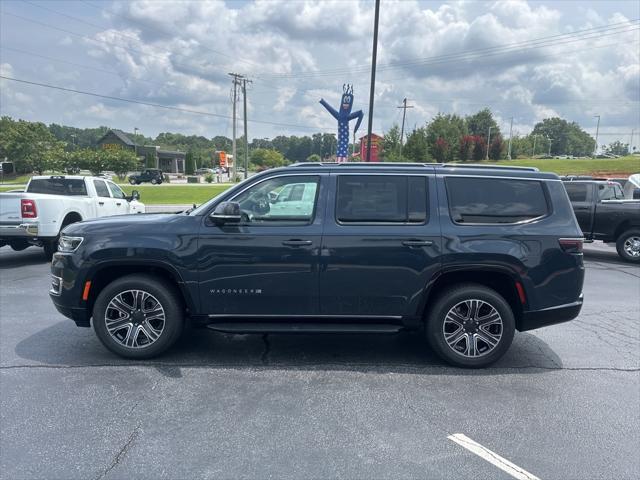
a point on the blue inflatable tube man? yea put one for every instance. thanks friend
(344, 116)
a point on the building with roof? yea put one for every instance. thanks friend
(376, 147)
(168, 161)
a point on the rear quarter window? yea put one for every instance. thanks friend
(58, 186)
(474, 200)
(577, 191)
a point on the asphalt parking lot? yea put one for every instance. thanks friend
(563, 403)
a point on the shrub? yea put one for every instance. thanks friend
(208, 178)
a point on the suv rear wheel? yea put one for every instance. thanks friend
(628, 246)
(138, 316)
(470, 326)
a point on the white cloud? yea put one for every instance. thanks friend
(179, 54)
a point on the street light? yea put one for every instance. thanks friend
(488, 143)
(549, 140)
(533, 151)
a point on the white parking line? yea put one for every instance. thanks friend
(492, 457)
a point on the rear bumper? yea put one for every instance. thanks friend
(550, 316)
(23, 230)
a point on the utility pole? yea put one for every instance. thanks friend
(246, 139)
(631, 141)
(135, 134)
(374, 57)
(595, 151)
(236, 81)
(533, 152)
(510, 132)
(404, 107)
(488, 143)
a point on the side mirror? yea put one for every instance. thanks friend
(135, 195)
(226, 212)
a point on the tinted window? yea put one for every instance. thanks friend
(116, 191)
(58, 186)
(491, 200)
(280, 199)
(381, 198)
(577, 191)
(101, 188)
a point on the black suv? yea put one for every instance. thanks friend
(152, 175)
(468, 254)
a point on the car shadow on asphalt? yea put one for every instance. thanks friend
(65, 345)
(29, 256)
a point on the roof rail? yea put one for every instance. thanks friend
(494, 167)
(364, 164)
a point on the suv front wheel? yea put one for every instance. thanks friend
(138, 316)
(470, 326)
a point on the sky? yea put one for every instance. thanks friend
(523, 59)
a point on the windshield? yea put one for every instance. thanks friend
(58, 186)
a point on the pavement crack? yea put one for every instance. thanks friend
(267, 349)
(122, 452)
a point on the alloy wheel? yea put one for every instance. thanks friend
(472, 328)
(135, 319)
(632, 247)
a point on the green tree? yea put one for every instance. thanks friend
(314, 158)
(150, 160)
(29, 145)
(89, 159)
(478, 124)
(449, 128)
(417, 147)
(391, 145)
(616, 148)
(120, 161)
(566, 138)
(264, 158)
(190, 166)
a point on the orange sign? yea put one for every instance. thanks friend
(223, 159)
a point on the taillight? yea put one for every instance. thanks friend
(28, 208)
(571, 245)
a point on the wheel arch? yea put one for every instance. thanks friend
(69, 218)
(106, 272)
(623, 227)
(498, 278)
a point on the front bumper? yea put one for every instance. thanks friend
(549, 316)
(67, 282)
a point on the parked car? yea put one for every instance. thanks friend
(205, 171)
(48, 204)
(604, 214)
(466, 254)
(152, 175)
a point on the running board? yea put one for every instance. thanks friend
(304, 327)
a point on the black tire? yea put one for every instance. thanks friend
(435, 325)
(132, 181)
(628, 236)
(165, 294)
(154, 181)
(50, 247)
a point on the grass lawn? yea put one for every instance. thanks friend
(606, 167)
(175, 194)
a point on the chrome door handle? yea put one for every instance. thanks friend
(118, 203)
(100, 203)
(297, 243)
(417, 243)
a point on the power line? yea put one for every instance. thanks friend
(587, 34)
(157, 105)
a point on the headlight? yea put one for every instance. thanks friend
(68, 244)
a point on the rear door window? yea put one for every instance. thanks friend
(101, 188)
(381, 199)
(495, 200)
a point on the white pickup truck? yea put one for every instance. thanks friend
(48, 204)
